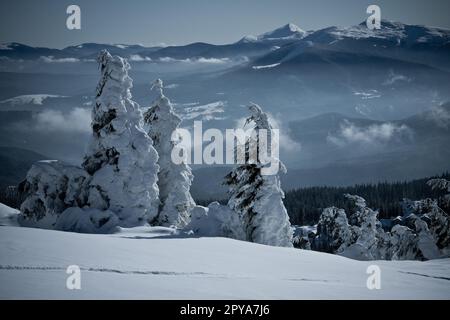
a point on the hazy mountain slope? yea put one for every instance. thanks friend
(338, 150)
(15, 163)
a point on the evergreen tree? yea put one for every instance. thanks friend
(257, 198)
(120, 158)
(174, 180)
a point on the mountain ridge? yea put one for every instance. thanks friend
(394, 32)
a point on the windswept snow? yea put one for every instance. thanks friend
(266, 66)
(205, 112)
(370, 94)
(37, 99)
(159, 263)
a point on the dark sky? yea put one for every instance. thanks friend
(151, 22)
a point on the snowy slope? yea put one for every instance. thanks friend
(37, 99)
(8, 216)
(157, 263)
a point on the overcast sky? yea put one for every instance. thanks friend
(152, 22)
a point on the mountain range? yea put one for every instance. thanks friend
(417, 43)
(359, 105)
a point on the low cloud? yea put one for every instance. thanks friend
(394, 77)
(212, 60)
(440, 116)
(196, 60)
(77, 120)
(373, 134)
(139, 58)
(52, 59)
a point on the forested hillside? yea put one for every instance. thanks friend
(305, 205)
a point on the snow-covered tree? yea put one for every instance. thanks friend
(216, 220)
(258, 198)
(441, 184)
(437, 220)
(368, 229)
(422, 233)
(357, 234)
(50, 188)
(121, 157)
(174, 180)
(334, 233)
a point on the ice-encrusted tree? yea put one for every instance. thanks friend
(422, 233)
(357, 234)
(334, 233)
(258, 198)
(441, 184)
(174, 179)
(121, 158)
(437, 220)
(50, 188)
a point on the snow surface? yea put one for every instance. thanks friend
(37, 99)
(160, 263)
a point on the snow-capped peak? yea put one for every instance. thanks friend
(393, 31)
(36, 99)
(249, 38)
(287, 31)
(390, 24)
(294, 28)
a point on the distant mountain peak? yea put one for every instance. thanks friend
(387, 24)
(294, 28)
(287, 31)
(9, 45)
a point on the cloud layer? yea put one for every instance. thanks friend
(78, 120)
(373, 134)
